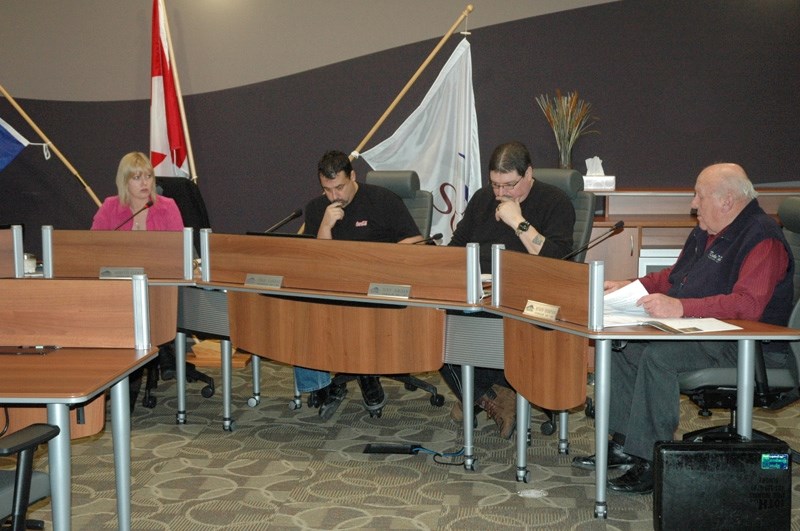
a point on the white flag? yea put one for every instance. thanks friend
(439, 141)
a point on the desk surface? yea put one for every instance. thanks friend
(67, 375)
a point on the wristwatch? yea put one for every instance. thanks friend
(522, 227)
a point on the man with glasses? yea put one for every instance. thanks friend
(348, 210)
(525, 215)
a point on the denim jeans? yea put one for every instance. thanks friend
(308, 380)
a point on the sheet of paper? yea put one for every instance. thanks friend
(624, 300)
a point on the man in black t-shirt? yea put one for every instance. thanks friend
(525, 215)
(349, 210)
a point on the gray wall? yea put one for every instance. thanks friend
(676, 85)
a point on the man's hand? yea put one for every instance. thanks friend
(660, 305)
(508, 211)
(610, 286)
(333, 214)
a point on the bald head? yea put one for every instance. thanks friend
(721, 193)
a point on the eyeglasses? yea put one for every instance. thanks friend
(505, 186)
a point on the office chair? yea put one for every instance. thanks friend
(24, 485)
(187, 197)
(405, 183)
(774, 388)
(571, 183)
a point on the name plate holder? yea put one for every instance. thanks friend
(541, 310)
(393, 291)
(120, 272)
(263, 281)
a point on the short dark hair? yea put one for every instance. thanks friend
(511, 156)
(332, 162)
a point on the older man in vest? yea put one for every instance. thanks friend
(736, 264)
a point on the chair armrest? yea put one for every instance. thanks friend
(28, 437)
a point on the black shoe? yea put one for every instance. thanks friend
(334, 394)
(372, 392)
(616, 458)
(637, 480)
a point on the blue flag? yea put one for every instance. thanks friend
(11, 143)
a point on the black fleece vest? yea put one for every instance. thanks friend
(703, 273)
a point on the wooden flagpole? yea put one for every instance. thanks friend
(50, 144)
(411, 81)
(174, 69)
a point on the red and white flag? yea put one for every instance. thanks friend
(168, 152)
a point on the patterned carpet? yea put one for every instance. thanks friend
(284, 469)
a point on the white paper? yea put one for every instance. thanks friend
(624, 300)
(594, 166)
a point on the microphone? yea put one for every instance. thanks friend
(145, 207)
(619, 225)
(294, 215)
(435, 237)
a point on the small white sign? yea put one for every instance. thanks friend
(541, 310)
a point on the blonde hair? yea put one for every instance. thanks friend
(131, 165)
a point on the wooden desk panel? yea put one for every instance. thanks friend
(547, 367)
(349, 338)
(341, 266)
(6, 254)
(81, 253)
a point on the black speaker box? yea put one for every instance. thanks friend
(722, 485)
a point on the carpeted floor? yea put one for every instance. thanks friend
(284, 469)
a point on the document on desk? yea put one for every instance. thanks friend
(620, 309)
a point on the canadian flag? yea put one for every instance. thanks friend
(168, 152)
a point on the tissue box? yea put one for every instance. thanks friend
(593, 183)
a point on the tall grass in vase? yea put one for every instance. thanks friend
(570, 119)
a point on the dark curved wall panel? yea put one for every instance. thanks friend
(676, 85)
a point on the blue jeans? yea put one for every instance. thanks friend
(308, 380)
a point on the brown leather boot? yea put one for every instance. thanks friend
(501, 409)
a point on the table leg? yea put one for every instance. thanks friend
(60, 465)
(745, 383)
(523, 425)
(121, 436)
(468, 406)
(227, 382)
(602, 397)
(180, 376)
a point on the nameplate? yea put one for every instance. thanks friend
(541, 310)
(120, 272)
(395, 291)
(263, 281)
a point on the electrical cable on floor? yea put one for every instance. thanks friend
(412, 449)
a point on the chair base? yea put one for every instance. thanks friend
(411, 383)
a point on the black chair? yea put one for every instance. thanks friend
(571, 182)
(187, 197)
(405, 183)
(19, 488)
(774, 388)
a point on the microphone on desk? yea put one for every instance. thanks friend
(619, 225)
(435, 237)
(145, 207)
(294, 215)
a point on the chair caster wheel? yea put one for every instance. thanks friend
(437, 400)
(253, 401)
(207, 391)
(547, 428)
(523, 475)
(589, 409)
(295, 404)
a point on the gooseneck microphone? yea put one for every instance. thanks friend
(435, 237)
(145, 207)
(619, 225)
(294, 215)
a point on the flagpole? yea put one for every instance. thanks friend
(50, 144)
(174, 69)
(411, 81)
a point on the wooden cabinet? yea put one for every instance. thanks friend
(620, 252)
